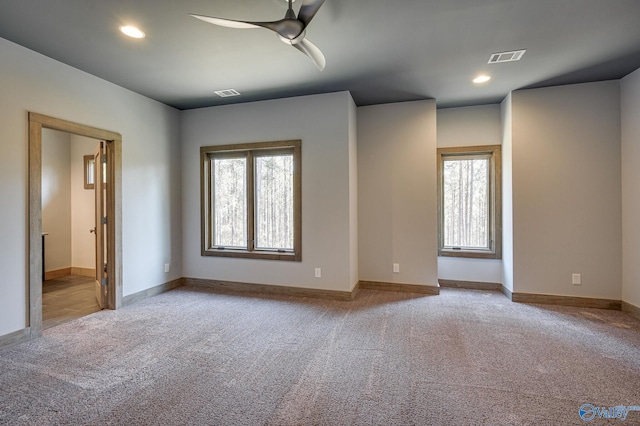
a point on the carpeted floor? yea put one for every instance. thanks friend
(192, 356)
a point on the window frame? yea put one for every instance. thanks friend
(89, 178)
(250, 151)
(495, 201)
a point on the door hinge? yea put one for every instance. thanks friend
(104, 159)
(103, 220)
(105, 281)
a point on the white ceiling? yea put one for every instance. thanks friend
(381, 51)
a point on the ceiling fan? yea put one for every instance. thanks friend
(291, 29)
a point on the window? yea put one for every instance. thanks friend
(469, 202)
(89, 173)
(251, 200)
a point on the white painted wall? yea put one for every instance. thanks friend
(323, 124)
(469, 126)
(507, 193)
(151, 154)
(56, 199)
(630, 103)
(83, 243)
(397, 192)
(566, 190)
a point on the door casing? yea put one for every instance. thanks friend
(100, 202)
(114, 210)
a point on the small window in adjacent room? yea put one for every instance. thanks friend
(251, 200)
(469, 202)
(89, 172)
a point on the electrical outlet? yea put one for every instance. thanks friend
(318, 273)
(396, 268)
(576, 279)
(167, 267)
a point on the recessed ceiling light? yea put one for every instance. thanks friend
(481, 79)
(132, 31)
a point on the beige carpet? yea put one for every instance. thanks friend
(195, 357)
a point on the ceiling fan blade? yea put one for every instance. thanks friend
(310, 49)
(308, 10)
(226, 22)
(230, 23)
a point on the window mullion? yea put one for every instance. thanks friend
(251, 240)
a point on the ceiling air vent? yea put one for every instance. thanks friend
(227, 92)
(515, 55)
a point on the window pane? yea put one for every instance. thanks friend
(90, 172)
(274, 202)
(466, 203)
(229, 202)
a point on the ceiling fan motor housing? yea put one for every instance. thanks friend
(290, 29)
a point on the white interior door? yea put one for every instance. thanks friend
(100, 199)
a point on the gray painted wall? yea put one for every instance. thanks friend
(151, 161)
(630, 101)
(353, 192)
(566, 190)
(322, 123)
(507, 192)
(397, 192)
(469, 126)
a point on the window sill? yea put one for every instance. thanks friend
(244, 254)
(473, 254)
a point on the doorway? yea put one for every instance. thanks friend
(68, 227)
(108, 280)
